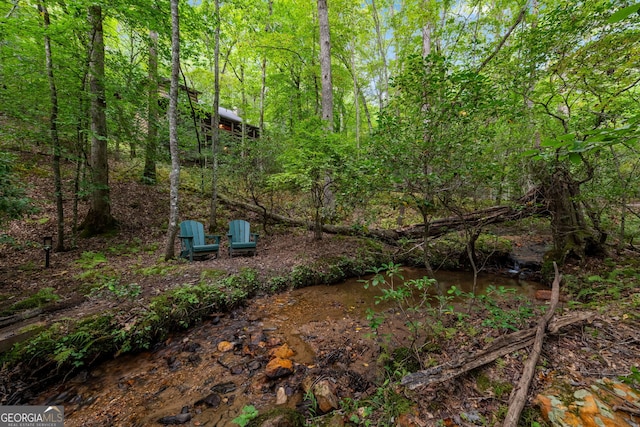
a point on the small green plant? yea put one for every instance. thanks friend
(358, 415)
(386, 403)
(40, 298)
(248, 413)
(313, 403)
(157, 270)
(411, 299)
(129, 291)
(633, 378)
(500, 318)
(90, 260)
(210, 274)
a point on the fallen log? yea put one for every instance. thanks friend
(498, 348)
(520, 392)
(527, 206)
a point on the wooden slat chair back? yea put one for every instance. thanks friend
(195, 243)
(241, 239)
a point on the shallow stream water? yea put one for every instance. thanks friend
(197, 371)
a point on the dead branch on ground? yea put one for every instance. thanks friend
(520, 392)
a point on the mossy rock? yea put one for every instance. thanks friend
(279, 417)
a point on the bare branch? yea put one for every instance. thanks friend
(517, 22)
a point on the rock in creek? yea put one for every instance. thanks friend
(224, 388)
(213, 401)
(278, 368)
(325, 394)
(175, 419)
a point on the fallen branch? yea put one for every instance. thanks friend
(520, 392)
(498, 348)
(529, 205)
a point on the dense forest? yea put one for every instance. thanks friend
(391, 120)
(446, 107)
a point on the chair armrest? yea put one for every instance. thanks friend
(215, 237)
(186, 237)
(255, 237)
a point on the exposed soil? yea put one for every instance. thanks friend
(338, 348)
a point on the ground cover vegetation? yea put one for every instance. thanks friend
(420, 122)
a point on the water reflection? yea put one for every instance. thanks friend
(350, 297)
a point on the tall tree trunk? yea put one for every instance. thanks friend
(572, 237)
(356, 94)
(149, 173)
(173, 132)
(80, 157)
(325, 65)
(53, 127)
(99, 218)
(327, 97)
(426, 204)
(426, 39)
(383, 92)
(215, 121)
(263, 85)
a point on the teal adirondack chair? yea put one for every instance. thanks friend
(241, 240)
(194, 242)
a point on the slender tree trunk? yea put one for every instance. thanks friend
(327, 96)
(98, 219)
(263, 84)
(384, 89)
(325, 65)
(149, 173)
(356, 93)
(425, 203)
(426, 217)
(243, 122)
(173, 131)
(81, 160)
(215, 121)
(426, 39)
(53, 127)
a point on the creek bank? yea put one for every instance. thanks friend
(221, 366)
(120, 326)
(275, 352)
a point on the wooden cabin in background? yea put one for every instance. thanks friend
(229, 121)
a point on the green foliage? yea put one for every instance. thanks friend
(112, 288)
(324, 271)
(616, 284)
(90, 260)
(69, 344)
(210, 274)
(157, 270)
(633, 378)
(428, 142)
(382, 407)
(532, 417)
(501, 318)
(133, 247)
(13, 201)
(496, 388)
(40, 298)
(248, 413)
